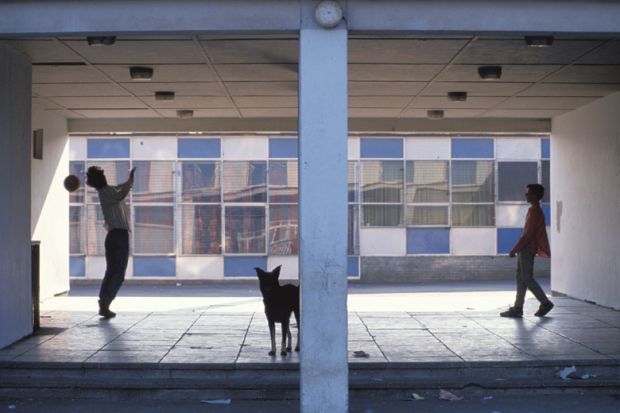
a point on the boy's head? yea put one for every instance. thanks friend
(537, 191)
(95, 177)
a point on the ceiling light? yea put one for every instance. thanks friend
(184, 114)
(490, 72)
(141, 73)
(435, 114)
(539, 41)
(161, 95)
(101, 40)
(457, 96)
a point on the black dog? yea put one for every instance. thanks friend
(280, 302)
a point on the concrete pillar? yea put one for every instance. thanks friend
(15, 153)
(585, 201)
(323, 214)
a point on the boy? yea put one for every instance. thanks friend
(116, 217)
(533, 242)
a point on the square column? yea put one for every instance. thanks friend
(15, 177)
(323, 215)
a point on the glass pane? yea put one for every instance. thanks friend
(202, 229)
(153, 230)
(95, 230)
(78, 168)
(353, 180)
(153, 181)
(116, 172)
(427, 181)
(383, 215)
(245, 181)
(472, 181)
(382, 181)
(201, 181)
(76, 230)
(513, 177)
(427, 215)
(546, 180)
(473, 215)
(354, 225)
(283, 181)
(283, 230)
(245, 230)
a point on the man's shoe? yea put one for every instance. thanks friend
(512, 312)
(544, 309)
(106, 313)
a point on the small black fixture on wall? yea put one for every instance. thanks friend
(37, 144)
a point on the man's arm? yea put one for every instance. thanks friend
(121, 191)
(529, 231)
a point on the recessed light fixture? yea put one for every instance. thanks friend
(185, 113)
(539, 41)
(141, 73)
(490, 72)
(435, 114)
(101, 40)
(164, 95)
(457, 96)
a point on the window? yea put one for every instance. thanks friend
(200, 181)
(546, 180)
(202, 232)
(472, 186)
(283, 230)
(245, 181)
(245, 229)
(76, 230)
(427, 192)
(153, 230)
(283, 182)
(382, 193)
(513, 177)
(153, 182)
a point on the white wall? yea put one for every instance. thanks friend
(50, 203)
(15, 146)
(585, 196)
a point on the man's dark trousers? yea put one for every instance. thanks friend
(116, 258)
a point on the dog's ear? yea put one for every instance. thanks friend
(259, 271)
(276, 271)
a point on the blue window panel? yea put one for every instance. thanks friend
(243, 266)
(154, 266)
(545, 149)
(507, 238)
(77, 267)
(428, 241)
(472, 148)
(108, 148)
(353, 267)
(283, 148)
(381, 148)
(547, 211)
(199, 148)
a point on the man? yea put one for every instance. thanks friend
(116, 217)
(533, 242)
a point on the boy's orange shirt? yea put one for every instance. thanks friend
(534, 235)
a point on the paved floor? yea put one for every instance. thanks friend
(387, 324)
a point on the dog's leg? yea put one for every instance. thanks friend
(289, 340)
(298, 330)
(272, 334)
(285, 333)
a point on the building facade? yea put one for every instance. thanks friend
(213, 207)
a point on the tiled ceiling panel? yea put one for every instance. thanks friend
(78, 89)
(140, 52)
(164, 73)
(428, 51)
(252, 51)
(180, 88)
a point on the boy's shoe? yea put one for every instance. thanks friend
(106, 313)
(513, 312)
(544, 309)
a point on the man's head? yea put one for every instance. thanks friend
(535, 192)
(95, 177)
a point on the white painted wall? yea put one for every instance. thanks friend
(15, 153)
(585, 197)
(50, 203)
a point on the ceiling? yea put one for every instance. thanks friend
(256, 76)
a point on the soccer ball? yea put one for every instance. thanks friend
(72, 183)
